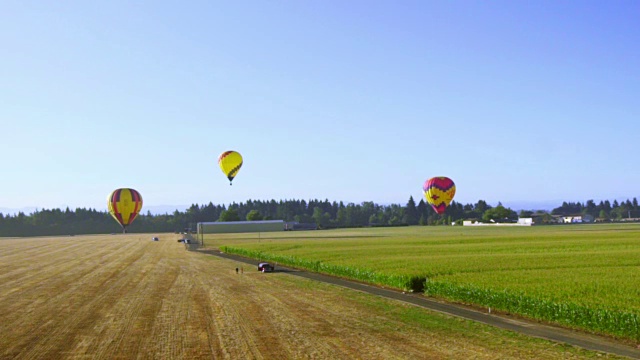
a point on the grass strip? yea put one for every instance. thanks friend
(404, 282)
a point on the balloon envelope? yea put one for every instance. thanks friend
(230, 163)
(124, 205)
(439, 191)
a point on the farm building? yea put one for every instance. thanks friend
(525, 221)
(225, 227)
(521, 222)
(294, 225)
(572, 219)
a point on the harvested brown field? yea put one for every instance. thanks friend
(125, 296)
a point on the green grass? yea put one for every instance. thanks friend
(583, 276)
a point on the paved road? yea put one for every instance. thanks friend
(585, 341)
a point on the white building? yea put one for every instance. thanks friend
(525, 221)
(220, 227)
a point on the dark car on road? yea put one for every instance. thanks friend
(265, 267)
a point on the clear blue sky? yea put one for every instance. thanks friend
(344, 100)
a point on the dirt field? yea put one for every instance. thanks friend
(123, 297)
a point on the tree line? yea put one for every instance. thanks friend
(604, 210)
(323, 213)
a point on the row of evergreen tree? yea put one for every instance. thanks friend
(323, 213)
(605, 210)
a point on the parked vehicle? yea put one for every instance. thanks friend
(265, 267)
(155, 238)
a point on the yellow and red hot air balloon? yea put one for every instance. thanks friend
(230, 163)
(124, 205)
(439, 191)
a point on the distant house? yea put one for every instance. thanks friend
(572, 219)
(562, 219)
(525, 221)
(543, 218)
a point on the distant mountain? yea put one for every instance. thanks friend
(155, 210)
(517, 205)
(164, 209)
(531, 205)
(25, 210)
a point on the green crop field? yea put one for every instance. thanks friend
(582, 276)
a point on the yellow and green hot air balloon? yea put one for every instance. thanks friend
(230, 163)
(124, 205)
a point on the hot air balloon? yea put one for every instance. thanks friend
(439, 191)
(124, 205)
(230, 163)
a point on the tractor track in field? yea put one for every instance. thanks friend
(556, 334)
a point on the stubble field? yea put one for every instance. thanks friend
(126, 297)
